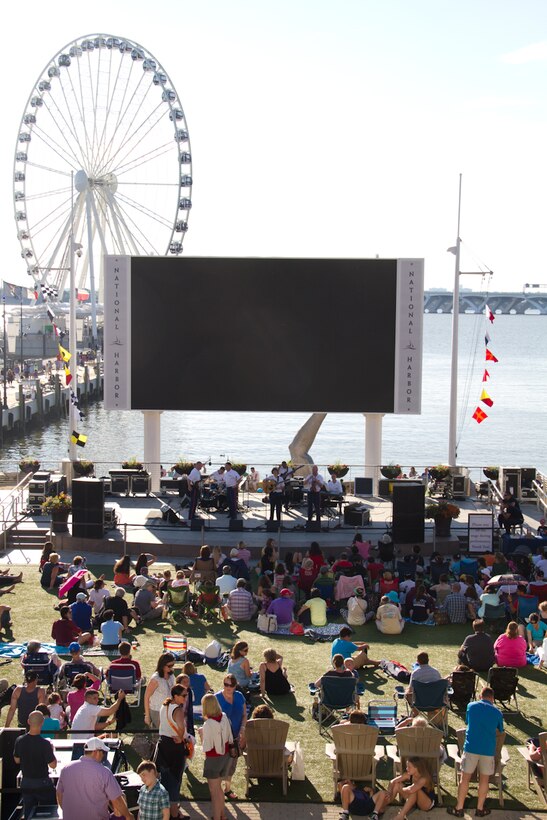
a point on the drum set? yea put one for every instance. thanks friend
(213, 496)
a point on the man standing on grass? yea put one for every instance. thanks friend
(484, 721)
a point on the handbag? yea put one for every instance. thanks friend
(266, 623)
(233, 749)
(296, 628)
(297, 766)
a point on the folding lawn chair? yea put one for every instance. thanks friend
(436, 570)
(462, 689)
(354, 754)
(431, 701)
(177, 600)
(495, 617)
(469, 567)
(208, 601)
(526, 605)
(504, 681)
(42, 664)
(336, 695)
(121, 676)
(382, 715)
(537, 775)
(177, 645)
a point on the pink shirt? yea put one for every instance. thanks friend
(76, 697)
(510, 651)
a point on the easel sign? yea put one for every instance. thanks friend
(481, 532)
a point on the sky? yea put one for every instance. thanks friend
(332, 129)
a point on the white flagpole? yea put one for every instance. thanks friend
(73, 363)
(452, 430)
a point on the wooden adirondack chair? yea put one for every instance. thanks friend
(418, 741)
(266, 754)
(354, 753)
(536, 782)
(501, 760)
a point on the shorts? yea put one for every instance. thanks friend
(362, 803)
(217, 767)
(485, 763)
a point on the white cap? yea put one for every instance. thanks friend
(81, 596)
(95, 744)
(140, 581)
(234, 553)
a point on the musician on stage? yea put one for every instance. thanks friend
(315, 483)
(219, 478)
(335, 490)
(252, 480)
(510, 512)
(232, 480)
(285, 472)
(194, 482)
(276, 493)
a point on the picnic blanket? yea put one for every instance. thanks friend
(420, 623)
(330, 631)
(16, 650)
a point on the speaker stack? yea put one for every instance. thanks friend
(408, 513)
(87, 508)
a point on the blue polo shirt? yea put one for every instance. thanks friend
(344, 648)
(483, 718)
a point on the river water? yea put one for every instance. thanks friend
(514, 434)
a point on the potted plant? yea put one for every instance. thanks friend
(182, 466)
(29, 465)
(132, 464)
(442, 513)
(82, 467)
(391, 471)
(439, 472)
(58, 507)
(339, 470)
(239, 467)
(492, 473)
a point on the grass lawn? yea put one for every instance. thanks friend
(33, 614)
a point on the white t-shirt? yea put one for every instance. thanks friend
(357, 608)
(96, 598)
(194, 475)
(85, 720)
(218, 477)
(231, 478)
(226, 583)
(314, 483)
(335, 487)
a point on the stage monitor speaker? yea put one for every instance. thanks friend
(408, 513)
(236, 525)
(458, 486)
(363, 486)
(313, 526)
(196, 524)
(272, 526)
(87, 508)
(384, 487)
(10, 770)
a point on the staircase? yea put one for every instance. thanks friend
(26, 536)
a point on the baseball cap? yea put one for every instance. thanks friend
(81, 596)
(95, 744)
(233, 553)
(285, 593)
(140, 581)
(74, 647)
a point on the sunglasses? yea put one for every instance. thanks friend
(229, 684)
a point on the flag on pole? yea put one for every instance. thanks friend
(489, 315)
(486, 338)
(485, 376)
(65, 355)
(13, 291)
(68, 376)
(486, 399)
(479, 415)
(51, 314)
(490, 356)
(78, 438)
(49, 292)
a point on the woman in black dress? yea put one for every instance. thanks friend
(273, 677)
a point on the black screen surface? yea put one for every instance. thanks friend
(263, 334)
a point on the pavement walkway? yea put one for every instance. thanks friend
(319, 811)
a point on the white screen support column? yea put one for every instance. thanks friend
(373, 447)
(152, 445)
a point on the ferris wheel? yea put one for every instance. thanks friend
(102, 162)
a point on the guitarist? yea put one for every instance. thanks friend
(315, 483)
(232, 479)
(285, 472)
(194, 483)
(277, 493)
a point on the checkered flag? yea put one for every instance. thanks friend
(48, 292)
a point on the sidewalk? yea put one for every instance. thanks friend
(318, 811)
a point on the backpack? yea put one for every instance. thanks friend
(395, 670)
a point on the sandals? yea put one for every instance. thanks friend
(455, 812)
(482, 812)
(231, 795)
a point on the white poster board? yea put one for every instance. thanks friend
(481, 532)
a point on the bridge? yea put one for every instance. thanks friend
(440, 301)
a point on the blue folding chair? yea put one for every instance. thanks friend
(431, 701)
(526, 605)
(336, 695)
(123, 677)
(469, 567)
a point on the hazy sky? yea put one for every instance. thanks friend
(332, 129)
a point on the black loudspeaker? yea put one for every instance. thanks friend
(408, 513)
(196, 524)
(236, 525)
(313, 526)
(527, 475)
(10, 771)
(383, 487)
(272, 526)
(87, 508)
(458, 486)
(363, 486)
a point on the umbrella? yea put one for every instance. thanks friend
(508, 578)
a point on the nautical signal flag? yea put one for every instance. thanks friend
(68, 376)
(485, 376)
(78, 438)
(65, 355)
(479, 415)
(489, 315)
(490, 356)
(486, 338)
(48, 292)
(486, 399)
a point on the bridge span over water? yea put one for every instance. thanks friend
(440, 301)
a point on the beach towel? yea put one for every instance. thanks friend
(344, 586)
(16, 650)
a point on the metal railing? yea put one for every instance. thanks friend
(13, 507)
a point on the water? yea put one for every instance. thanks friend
(514, 433)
